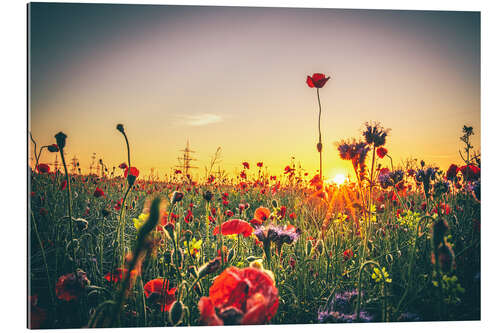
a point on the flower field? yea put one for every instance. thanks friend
(399, 243)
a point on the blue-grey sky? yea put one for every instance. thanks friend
(235, 78)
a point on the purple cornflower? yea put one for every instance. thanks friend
(277, 234)
(409, 316)
(397, 176)
(385, 180)
(338, 317)
(341, 310)
(375, 134)
(356, 152)
(261, 233)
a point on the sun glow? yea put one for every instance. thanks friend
(339, 179)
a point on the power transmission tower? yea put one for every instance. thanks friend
(74, 164)
(185, 161)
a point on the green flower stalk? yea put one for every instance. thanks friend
(61, 143)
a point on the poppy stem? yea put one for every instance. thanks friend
(70, 214)
(320, 144)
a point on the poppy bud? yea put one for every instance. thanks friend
(120, 128)
(207, 196)
(61, 140)
(176, 313)
(422, 163)
(176, 197)
(170, 229)
(81, 223)
(319, 147)
(188, 234)
(53, 148)
(211, 267)
(319, 247)
(309, 247)
(274, 203)
(438, 230)
(446, 258)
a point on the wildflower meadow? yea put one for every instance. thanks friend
(397, 242)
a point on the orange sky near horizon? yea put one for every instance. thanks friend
(235, 78)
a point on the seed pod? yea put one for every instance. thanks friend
(309, 247)
(176, 313)
(319, 147)
(252, 258)
(207, 196)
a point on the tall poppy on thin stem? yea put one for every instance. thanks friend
(317, 81)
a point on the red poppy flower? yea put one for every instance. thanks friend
(246, 165)
(178, 172)
(384, 171)
(381, 152)
(43, 168)
(255, 222)
(451, 174)
(348, 254)
(119, 275)
(118, 204)
(234, 227)
(260, 164)
(123, 166)
(470, 172)
(261, 214)
(132, 171)
(229, 213)
(98, 193)
(241, 207)
(245, 296)
(70, 286)
(225, 202)
(282, 212)
(292, 216)
(318, 80)
(243, 175)
(189, 216)
(288, 169)
(160, 288)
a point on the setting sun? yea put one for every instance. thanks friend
(338, 179)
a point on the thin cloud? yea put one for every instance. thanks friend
(202, 119)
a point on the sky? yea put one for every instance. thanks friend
(234, 77)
